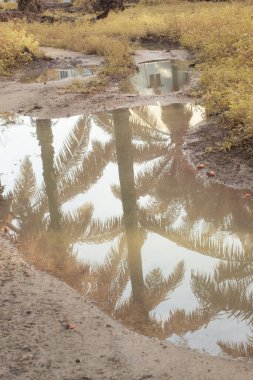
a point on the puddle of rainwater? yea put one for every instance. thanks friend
(50, 75)
(158, 78)
(109, 203)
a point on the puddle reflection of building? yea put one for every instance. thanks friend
(73, 73)
(160, 77)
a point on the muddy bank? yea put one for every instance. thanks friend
(48, 331)
(232, 168)
(44, 101)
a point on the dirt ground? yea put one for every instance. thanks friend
(48, 331)
(36, 343)
(43, 100)
(232, 168)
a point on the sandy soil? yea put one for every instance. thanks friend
(43, 100)
(36, 344)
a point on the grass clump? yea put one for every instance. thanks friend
(92, 86)
(8, 6)
(15, 46)
(82, 37)
(223, 38)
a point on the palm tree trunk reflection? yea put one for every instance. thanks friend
(53, 240)
(123, 141)
(45, 138)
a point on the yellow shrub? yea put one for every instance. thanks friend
(13, 42)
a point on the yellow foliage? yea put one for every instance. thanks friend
(223, 37)
(13, 41)
(9, 5)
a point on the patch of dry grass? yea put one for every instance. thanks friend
(14, 42)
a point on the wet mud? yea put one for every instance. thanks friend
(233, 168)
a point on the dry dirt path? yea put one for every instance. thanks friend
(36, 345)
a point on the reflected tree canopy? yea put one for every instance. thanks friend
(159, 195)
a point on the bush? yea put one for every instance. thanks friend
(15, 45)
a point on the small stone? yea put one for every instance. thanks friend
(211, 173)
(37, 107)
(70, 326)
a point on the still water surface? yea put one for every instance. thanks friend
(109, 203)
(51, 75)
(158, 78)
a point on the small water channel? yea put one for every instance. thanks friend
(109, 203)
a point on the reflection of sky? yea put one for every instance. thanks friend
(223, 328)
(100, 195)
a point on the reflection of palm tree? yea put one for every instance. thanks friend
(45, 138)
(5, 201)
(76, 168)
(227, 291)
(177, 188)
(173, 191)
(123, 141)
(243, 349)
(226, 297)
(107, 284)
(111, 278)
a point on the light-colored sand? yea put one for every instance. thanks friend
(35, 344)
